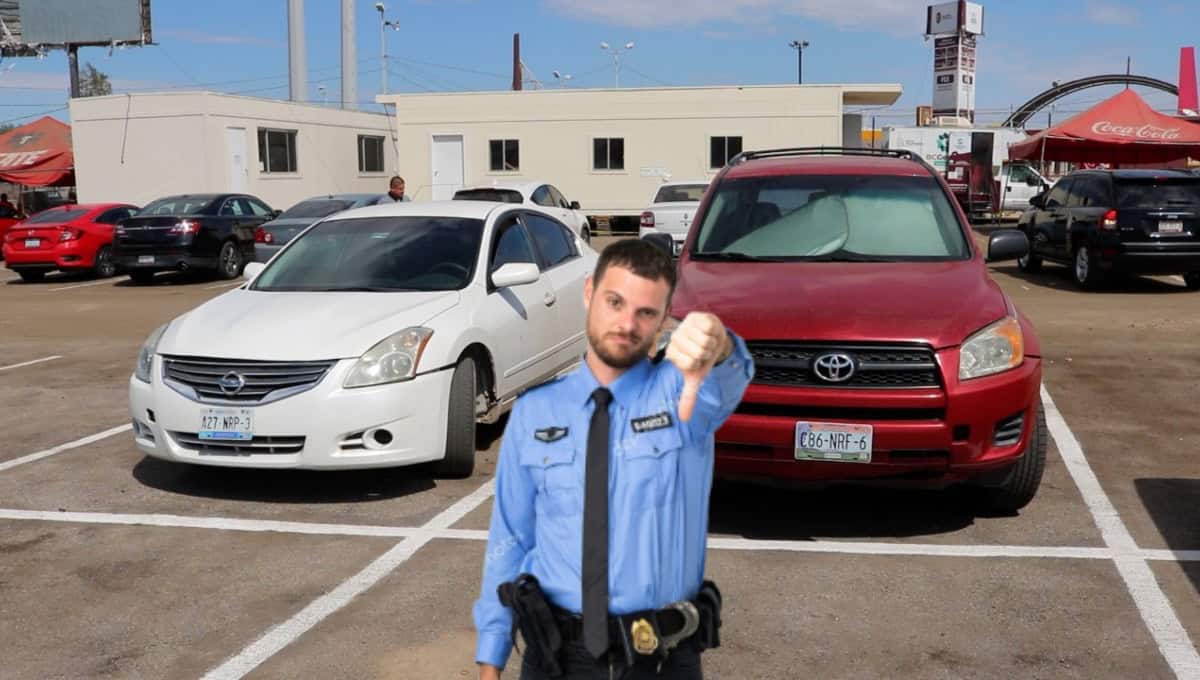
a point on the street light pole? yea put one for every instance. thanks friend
(799, 46)
(384, 24)
(616, 54)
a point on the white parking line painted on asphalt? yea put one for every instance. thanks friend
(1170, 635)
(224, 284)
(926, 549)
(82, 285)
(90, 439)
(31, 363)
(221, 523)
(287, 632)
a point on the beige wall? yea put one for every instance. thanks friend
(665, 130)
(141, 147)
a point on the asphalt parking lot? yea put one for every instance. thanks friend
(116, 565)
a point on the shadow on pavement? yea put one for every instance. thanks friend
(1174, 505)
(283, 486)
(776, 513)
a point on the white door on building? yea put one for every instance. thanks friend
(235, 145)
(447, 166)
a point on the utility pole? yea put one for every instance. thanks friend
(799, 46)
(384, 24)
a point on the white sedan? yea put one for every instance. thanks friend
(541, 194)
(671, 211)
(376, 338)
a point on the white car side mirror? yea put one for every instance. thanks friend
(515, 274)
(252, 270)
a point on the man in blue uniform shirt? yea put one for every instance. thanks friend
(602, 490)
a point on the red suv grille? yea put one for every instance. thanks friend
(844, 365)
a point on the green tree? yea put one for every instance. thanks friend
(93, 82)
(5, 127)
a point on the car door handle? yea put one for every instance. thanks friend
(549, 299)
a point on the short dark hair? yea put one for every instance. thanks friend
(638, 256)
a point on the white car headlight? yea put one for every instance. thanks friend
(145, 360)
(999, 347)
(392, 360)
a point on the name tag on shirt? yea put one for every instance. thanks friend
(657, 421)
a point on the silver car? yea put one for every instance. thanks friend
(272, 236)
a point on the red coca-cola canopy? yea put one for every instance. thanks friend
(38, 154)
(1121, 129)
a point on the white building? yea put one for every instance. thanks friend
(138, 147)
(609, 149)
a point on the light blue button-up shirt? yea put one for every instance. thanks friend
(660, 476)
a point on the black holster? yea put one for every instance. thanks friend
(533, 617)
(708, 601)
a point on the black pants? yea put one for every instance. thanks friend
(682, 664)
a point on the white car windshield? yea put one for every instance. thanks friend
(831, 218)
(378, 254)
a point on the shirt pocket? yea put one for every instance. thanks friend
(651, 461)
(552, 467)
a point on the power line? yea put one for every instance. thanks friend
(449, 67)
(33, 115)
(650, 78)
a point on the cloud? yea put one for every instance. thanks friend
(899, 17)
(1114, 15)
(221, 39)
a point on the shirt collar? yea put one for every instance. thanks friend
(625, 389)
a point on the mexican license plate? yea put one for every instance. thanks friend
(227, 423)
(145, 259)
(1170, 227)
(32, 243)
(837, 442)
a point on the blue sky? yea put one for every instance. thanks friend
(240, 46)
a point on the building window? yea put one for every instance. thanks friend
(506, 154)
(276, 150)
(370, 153)
(721, 149)
(608, 153)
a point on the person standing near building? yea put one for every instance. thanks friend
(596, 549)
(396, 191)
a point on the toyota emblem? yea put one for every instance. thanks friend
(231, 383)
(834, 367)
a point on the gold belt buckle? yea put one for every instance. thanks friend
(644, 639)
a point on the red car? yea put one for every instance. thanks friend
(883, 350)
(67, 238)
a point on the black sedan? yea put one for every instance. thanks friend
(213, 232)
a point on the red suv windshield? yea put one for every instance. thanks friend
(831, 217)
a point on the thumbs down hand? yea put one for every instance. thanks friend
(696, 346)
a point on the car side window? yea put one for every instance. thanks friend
(553, 240)
(1077, 195)
(1058, 195)
(109, 216)
(511, 246)
(255, 208)
(542, 197)
(231, 208)
(1097, 194)
(557, 197)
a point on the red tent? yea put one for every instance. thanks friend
(38, 154)
(1120, 130)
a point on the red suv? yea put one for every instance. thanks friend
(883, 350)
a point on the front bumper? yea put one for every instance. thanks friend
(321, 429)
(935, 436)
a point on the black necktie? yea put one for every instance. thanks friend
(595, 529)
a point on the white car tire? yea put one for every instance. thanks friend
(459, 461)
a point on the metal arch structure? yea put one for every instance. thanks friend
(1025, 111)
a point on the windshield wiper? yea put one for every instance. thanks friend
(733, 256)
(842, 256)
(360, 289)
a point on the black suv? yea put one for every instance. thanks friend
(194, 231)
(1117, 221)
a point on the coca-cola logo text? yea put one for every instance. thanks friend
(1105, 127)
